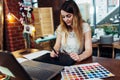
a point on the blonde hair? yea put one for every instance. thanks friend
(71, 7)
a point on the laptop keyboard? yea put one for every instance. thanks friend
(41, 71)
(38, 73)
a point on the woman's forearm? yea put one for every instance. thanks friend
(85, 55)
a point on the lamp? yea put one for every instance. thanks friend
(115, 18)
(10, 16)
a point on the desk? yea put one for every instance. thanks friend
(45, 39)
(96, 45)
(20, 53)
(51, 40)
(112, 65)
(116, 44)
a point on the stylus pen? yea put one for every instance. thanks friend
(65, 52)
(55, 51)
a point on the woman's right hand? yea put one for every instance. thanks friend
(53, 54)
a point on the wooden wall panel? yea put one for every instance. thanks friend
(1, 25)
(55, 4)
(43, 21)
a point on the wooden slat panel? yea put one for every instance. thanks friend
(43, 17)
(1, 25)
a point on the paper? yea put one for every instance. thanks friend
(20, 60)
(90, 71)
(6, 71)
(35, 54)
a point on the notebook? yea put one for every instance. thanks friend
(28, 70)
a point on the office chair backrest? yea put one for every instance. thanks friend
(106, 39)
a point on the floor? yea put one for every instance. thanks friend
(105, 53)
(117, 56)
(117, 51)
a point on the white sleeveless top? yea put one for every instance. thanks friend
(71, 44)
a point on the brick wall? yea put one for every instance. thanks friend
(13, 38)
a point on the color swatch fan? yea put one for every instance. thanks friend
(85, 72)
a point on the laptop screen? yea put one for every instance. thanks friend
(8, 60)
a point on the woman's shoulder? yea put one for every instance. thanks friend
(85, 24)
(59, 27)
(58, 30)
(86, 27)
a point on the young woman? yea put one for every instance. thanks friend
(73, 34)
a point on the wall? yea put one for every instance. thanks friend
(55, 4)
(13, 39)
(1, 25)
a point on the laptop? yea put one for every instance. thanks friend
(29, 70)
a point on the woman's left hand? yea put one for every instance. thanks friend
(75, 57)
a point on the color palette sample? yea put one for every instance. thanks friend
(85, 72)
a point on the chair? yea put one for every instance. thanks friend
(106, 41)
(116, 45)
(95, 45)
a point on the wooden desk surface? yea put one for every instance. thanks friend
(116, 45)
(20, 53)
(112, 65)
